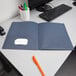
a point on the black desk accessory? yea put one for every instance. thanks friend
(37, 3)
(6, 68)
(68, 68)
(55, 12)
(74, 3)
(2, 32)
(44, 8)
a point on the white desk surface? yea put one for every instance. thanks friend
(50, 61)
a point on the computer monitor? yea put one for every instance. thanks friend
(36, 3)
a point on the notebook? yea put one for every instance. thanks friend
(40, 36)
(69, 66)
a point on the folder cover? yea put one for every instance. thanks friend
(41, 36)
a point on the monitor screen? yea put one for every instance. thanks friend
(36, 3)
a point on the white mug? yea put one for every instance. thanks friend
(25, 15)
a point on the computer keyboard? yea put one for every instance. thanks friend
(55, 12)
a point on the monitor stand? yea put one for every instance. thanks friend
(44, 8)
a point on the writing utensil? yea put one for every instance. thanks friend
(20, 8)
(38, 65)
(21, 5)
(25, 6)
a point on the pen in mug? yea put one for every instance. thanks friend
(25, 6)
(21, 5)
(20, 8)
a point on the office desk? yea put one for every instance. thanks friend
(49, 61)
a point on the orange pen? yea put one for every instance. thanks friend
(38, 65)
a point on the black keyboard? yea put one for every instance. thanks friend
(55, 12)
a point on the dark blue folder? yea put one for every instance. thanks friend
(43, 36)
